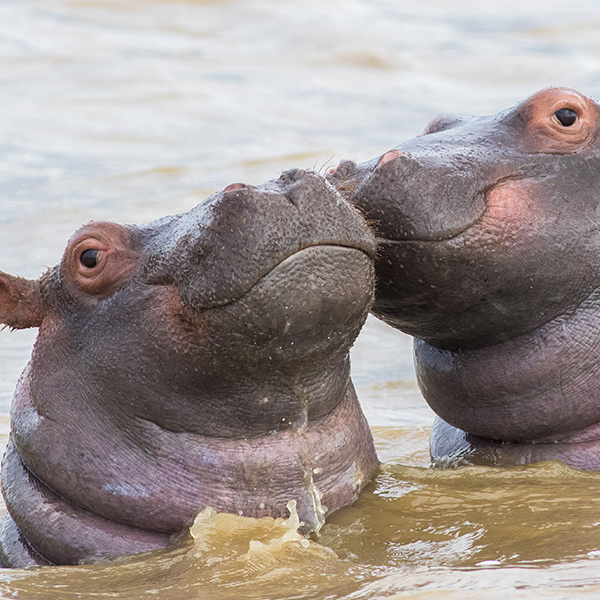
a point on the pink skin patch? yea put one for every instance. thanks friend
(510, 200)
(391, 155)
(234, 186)
(513, 215)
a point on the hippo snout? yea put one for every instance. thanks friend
(215, 253)
(405, 194)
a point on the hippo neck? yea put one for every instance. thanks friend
(253, 404)
(165, 478)
(541, 386)
(231, 401)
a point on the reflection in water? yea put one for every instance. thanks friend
(130, 111)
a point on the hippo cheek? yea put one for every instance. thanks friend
(511, 209)
(516, 267)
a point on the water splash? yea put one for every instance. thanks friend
(271, 532)
(225, 557)
(319, 510)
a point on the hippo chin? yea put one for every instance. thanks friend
(489, 237)
(201, 360)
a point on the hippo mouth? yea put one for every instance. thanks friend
(403, 207)
(480, 198)
(336, 253)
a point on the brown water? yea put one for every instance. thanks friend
(132, 110)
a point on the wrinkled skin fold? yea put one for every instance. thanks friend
(201, 360)
(489, 237)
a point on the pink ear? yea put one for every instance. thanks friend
(20, 302)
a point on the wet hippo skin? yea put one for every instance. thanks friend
(201, 360)
(489, 239)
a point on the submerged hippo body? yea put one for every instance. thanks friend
(489, 236)
(201, 360)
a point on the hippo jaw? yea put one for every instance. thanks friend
(206, 357)
(488, 237)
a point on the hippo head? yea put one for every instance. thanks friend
(201, 360)
(489, 237)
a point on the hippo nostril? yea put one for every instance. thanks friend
(234, 187)
(292, 175)
(342, 171)
(388, 156)
(566, 116)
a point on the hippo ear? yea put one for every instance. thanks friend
(20, 302)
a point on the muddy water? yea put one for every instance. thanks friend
(132, 110)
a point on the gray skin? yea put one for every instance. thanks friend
(489, 254)
(201, 360)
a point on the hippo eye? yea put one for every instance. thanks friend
(566, 116)
(89, 258)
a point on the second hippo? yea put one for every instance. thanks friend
(201, 360)
(489, 236)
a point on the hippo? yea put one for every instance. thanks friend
(201, 360)
(489, 243)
